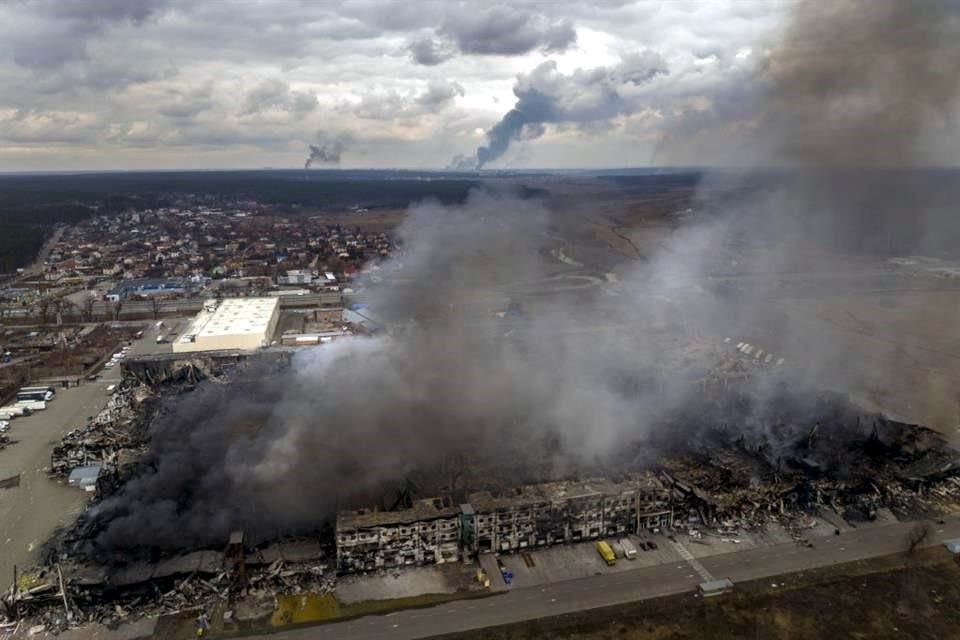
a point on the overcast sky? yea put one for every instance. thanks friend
(91, 84)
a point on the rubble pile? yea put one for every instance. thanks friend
(73, 593)
(116, 437)
(113, 438)
(781, 464)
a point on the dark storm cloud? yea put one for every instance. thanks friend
(504, 30)
(492, 30)
(63, 30)
(135, 11)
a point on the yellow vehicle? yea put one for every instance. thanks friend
(606, 552)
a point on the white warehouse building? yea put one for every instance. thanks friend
(233, 323)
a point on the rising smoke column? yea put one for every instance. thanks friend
(327, 151)
(546, 96)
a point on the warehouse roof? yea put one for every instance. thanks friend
(234, 316)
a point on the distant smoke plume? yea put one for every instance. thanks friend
(327, 151)
(546, 96)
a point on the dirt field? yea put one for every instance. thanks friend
(894, 597)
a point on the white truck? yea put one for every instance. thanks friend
(629, 551)
(33, 405)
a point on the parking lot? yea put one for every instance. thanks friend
(569, 562)
(32, 511)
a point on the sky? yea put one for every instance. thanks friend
(183, 84)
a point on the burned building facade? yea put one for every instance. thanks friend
(560, 512)
(527, 517)
(426, 533)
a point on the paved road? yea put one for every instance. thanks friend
(627, 586)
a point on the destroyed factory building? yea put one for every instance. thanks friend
(525, 518)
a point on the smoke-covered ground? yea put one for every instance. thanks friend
(848, 101)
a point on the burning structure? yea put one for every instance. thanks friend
(427, 533)
(525, 518)
(560, 512)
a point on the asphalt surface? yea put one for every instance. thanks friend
(30, 513)
(529, 603)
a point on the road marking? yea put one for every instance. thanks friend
(693, 562)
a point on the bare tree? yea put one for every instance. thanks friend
(117, 307)
(918, 534)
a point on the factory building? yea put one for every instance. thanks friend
(524, 518)
(233, 323)
(559, 512)
(426, 533)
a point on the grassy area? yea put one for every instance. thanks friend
(894, 597)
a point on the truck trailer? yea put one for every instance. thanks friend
(629, 551)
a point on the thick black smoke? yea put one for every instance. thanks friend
(546, 96)
(327, 151)
(279, 451)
